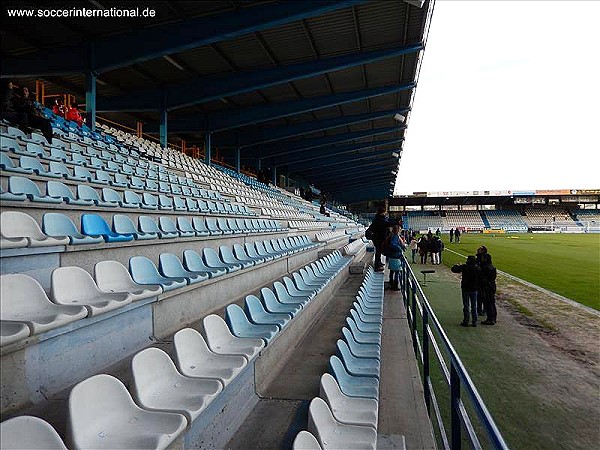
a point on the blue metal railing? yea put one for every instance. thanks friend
(456, 375)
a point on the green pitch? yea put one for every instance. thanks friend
(568, 264)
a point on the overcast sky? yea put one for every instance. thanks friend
(508, 98)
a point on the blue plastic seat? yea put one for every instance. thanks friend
(136, 183)
(94, 225)
(213, 228)
(179, 204)
(9, 144)
(143, 271)
(165, 202)
(191, 204)
(203, 206)
(19, 186)
(241, 224)
(171, 267)
(301, 284)
(60, 190)
(7, 165)
(252, 253)
(82, 174)
(111, 196)
(126, 169)
(149, 201)
(193, 262)
(273, 305)
(357, 366)
(284, 296)
(131, 199)
(200, 226)
(223, 226)
(185, 227)
(35, 150)
(111, 166)
(211, 259)
(257, 313)
(232, 224)
(120, 180)
(229, 258)
(123, 224)
(167, 227)
(361, 350)
(32, 164)
(353, 386)
(241, 255)
(59, 225)
(103, 177)
(262, 251)
(152, 174)
(363, 337)
(85, 192)
(240, 325)
(59, 169)
(176, 189)
(372, 326)
(151, 185)
(148, 225)
(77, 159)
(95, 163)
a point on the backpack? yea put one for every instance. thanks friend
(386, 245)
(369, 234)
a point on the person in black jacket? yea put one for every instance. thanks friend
(488, 288)
(471, 275)
(480, 296)
(379, 228)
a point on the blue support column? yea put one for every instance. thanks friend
(207, 149)
(163, 121)
(274, 175)
(238, 158)
(90, 100)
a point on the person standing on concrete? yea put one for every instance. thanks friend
(451, 234)
(414, 248)
(378, 232)
(395, 246)
(488, 288)
(471, 275)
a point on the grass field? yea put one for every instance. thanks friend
(568, 264)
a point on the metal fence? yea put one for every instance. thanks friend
(419, 311)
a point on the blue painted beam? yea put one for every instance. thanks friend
(350, 163)
(371, 173)
(328, 153)
(163, 133)
(144, 44)
(307, 144)
(227, 120)
(90, 100)
(207, 89)
(207, 149)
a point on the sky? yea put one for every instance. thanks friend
(508, 98)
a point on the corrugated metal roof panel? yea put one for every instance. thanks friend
(384, 72)
(289, 43)
(245, 52)
(347, 80)
(339, 24)
(279, 93)
(205, 61)
(313, 87)
(381, 23)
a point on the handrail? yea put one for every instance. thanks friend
(456, 376)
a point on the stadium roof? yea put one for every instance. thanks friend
(310, 88)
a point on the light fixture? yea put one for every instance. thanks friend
(399, 118)
(173, 62)
(395, 155)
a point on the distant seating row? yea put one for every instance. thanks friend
(345, 415)
(354, 247)
(304, 224)
(21, 189)
(18, 229)
(324, 236)
(172, 395)
(75, 294)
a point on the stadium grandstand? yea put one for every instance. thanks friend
(188, 268)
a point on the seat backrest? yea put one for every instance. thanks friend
(211, 258)
(132, 198)
(31, 163)
(123, 224)
(199, 224)
(29, 432)
(21, 185)
(86, 192)
(222, 223)
(227, 256)
(57, 224)
(72, 283)
(20, 295)
(239, 252)
(216, 330)
(102, 175)
(142, 269)
(58, 189)
(193, 261)
(211, 224)
(112, 276)
(77, 158)
(251, 250)
(306, 441)
(149, 199)
(16, 224)
(320, 418)
(189, 346)
(82, 172)
(94, 225)
(110, 195)
(167, 225)
(5, 161)
(183, 223)
(147, 367)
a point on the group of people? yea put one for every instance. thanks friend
(68, 113)
(455, 234)
(18, 107)
(427, 245)
(478, 286)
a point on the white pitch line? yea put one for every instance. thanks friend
(566, 300)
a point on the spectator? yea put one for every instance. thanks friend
(436, 248)
(438, 233)
(7, 105)
(74, 114)
(471, 274)
(488, 288)
(423, 245)
(59, 107)
(28, 115)
(480, 303)
(396, 246)
(378, 230)
(414, 248)
(451, 234)
(457, 235)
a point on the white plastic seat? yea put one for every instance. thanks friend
(12, 332)
(336, 435)
(221, 341)
(195, 359)
(112, 276)
(22, 299)
(14, 226)
(348, 410)
(306, 441)
(102, 415)
(158, 386)
(29, 432)
(74, 286)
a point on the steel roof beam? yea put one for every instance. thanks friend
(375, 173)
(207, 89)
(308, 144)
(335, 151)
(347, 164)
(141, 45)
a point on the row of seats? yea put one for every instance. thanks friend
(26, 309)
(305, 224)
(354, 247)
(325, 236)
(168, 396)
(345, 415)
(21, 189)
(18, 229)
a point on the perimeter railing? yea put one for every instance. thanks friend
(427, 332)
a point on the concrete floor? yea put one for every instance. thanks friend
(283, 409)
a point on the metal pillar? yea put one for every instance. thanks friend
(238, 159)
(207, 149)
(274, 175)
(90, 100)
(163, 120)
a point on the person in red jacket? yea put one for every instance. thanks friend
(59, 107)
(74, 114)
